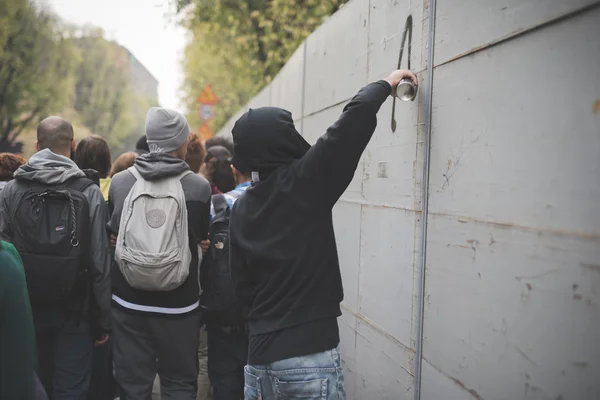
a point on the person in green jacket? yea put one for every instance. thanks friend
(17, 337)
(12, 250)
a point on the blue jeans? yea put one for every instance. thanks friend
(316, 376)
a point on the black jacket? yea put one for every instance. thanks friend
(283, 252)
(53, 170)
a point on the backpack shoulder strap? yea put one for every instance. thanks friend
(219, 203)
(184, 174)
(135, 173)
(80, 183)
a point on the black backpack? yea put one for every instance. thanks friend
(217, 288)
(51, 231)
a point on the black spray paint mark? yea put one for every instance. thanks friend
(407, 29)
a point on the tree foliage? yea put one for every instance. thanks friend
(240, 45)
(36, 66)
(47, 67)
(102, 94)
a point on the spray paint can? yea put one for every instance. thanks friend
(406, 90)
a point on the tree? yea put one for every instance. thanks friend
(36, 64)
(210, 60)
(102, 94)
(240, 45)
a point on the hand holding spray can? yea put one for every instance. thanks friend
(404, 84)
(405, 90)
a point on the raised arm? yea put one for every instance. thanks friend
(329, 165)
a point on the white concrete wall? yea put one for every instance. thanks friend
(512, 300)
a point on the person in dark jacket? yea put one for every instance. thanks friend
(219, 141)
(157, 331)
(65, 331)
(284, 258)
(227, 328)
(93, 154)
(141, 146)
(217, 169)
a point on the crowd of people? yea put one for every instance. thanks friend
(182, 270)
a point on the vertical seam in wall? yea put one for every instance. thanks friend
(357, 293)
(362, 180)
(425, 202)
(363, 158)
(303, 86)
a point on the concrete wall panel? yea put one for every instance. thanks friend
(525, 151)
(512, 313)
(513, 246)
(388, 22)
(390, 159)
(436, 384)
(465, 26)
(347, 219)
(336, 58)
(262, 99)
(384, 365)
(386, 271)
(286, 88)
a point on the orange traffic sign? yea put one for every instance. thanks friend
(208, 96)
(205, 132)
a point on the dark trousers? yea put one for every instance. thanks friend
(144, 345)
(227, 356)
(64, 349)
(102, 383)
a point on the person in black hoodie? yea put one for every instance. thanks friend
(284, 258)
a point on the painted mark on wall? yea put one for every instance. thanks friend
(382, 170)
(407, 30)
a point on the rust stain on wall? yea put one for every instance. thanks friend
(596, 107)
(593, 267)
(509, 225)
(471, 391)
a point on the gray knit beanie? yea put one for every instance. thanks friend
(166, 130)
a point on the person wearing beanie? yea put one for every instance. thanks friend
(157, 331)
(283, 256)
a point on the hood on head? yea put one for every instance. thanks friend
(265, 138)
(48, 168)
(154, 166)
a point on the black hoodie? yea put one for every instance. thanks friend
(283, 252)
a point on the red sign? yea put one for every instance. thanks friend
(208, 96)
(205, 132)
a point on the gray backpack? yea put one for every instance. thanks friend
(153, 250)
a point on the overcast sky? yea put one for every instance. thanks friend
(144, 28)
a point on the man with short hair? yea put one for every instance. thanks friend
(225, 324)
(284, 258)
(157, 331)
(65, 254)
